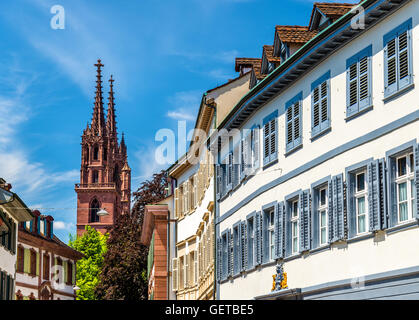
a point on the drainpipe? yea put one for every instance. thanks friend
(215, 205)
(169, 220)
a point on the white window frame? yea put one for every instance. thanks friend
(361, 194)
(320, 209)
(295, 220)
(407, 178)
(271, 232)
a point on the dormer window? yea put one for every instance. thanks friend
(42, 227)
(271, 67)
(284, 52)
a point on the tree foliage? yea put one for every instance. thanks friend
(124, 275)
(93, 245)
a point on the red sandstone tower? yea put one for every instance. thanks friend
(105, 176)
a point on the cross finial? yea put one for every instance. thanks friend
(99, 64)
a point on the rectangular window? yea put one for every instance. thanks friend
(359, 81)
(270, 138)
(45, 264)
(225, 255)
(181, 273)
(250, 242)
(405, 187)
(320, 98)
(293, 123)
(271, 233)
(322, 216)
(236, 250)
(33, 263)
(398, 58)
(361, 202)
(295, 209)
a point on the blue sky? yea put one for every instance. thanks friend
(163, 55)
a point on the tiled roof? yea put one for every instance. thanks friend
(294, 34)
(246, 61)
(334, 10)
(269, 51)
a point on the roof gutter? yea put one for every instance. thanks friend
(284, 68)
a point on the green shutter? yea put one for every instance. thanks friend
(27, 261)
(37, 263)
(65, 267)
(74, 273)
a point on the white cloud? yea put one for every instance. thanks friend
(29, 178)
(184, 105)
(147, 164)
(61, 225)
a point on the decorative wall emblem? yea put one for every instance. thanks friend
(280, 278)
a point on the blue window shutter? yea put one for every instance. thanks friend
(279, 231)
(350, 199)
(315, 221)
(373, 194)
(273, 138)
(338, 208)
(39, 225)
(390, 67)
(266, 143)
(255, 150)
(352, 89)
(288, 231)
(31, 226)
(305, 221)
(331, 212)
(258, 220)
(392, 207)
(52, 229)
(248, 154)
(404, 59)
(230, 253)
(243, 241)
(220, 258)
(242, 159)
(45, 227)
(382, 194)
(218, 181)
(364, 82)
(416, 161)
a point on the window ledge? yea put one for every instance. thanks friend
(402, 226)
(320, 248)
(360, 237)
(398, 93)
(269, 164)
(359, 113)
(321, 133)
(293, 149)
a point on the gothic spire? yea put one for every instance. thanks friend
(111, 123)
(123, 146)
(98, 120)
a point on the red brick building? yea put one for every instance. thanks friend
(105, 176)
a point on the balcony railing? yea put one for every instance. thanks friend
(94, 185)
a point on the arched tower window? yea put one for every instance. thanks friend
(116, 174)
(94, 208)
(95, 153)
(95, 177)
(86, 154)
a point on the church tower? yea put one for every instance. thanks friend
(105, 176)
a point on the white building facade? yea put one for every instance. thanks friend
(12, 212)
(320, 172)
